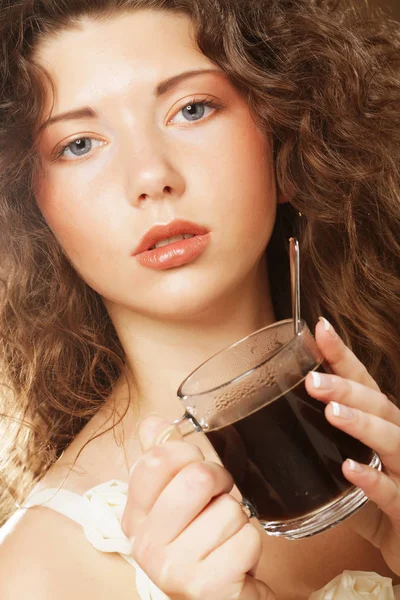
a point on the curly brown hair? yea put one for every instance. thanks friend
(323, 76)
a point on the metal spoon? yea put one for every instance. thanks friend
(294, 256)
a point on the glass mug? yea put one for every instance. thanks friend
(250, 401)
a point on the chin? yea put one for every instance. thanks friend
(186, 294)
(191, 305)
(178, 298)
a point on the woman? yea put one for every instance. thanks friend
(126, 123)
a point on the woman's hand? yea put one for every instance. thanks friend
(190, 536)
(356, 406)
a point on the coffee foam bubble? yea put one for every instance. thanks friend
(240, 396)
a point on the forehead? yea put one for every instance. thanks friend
(108, 56)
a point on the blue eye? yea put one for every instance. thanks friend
(77, 148)
(80, 147)
(195, 111)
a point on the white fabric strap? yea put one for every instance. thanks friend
(65, 502)
(99, 513)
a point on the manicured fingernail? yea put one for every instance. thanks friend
(171, 433)
(150, 428)
(149, 460)
(354, 466)
(328, 327)
(342, 411)
(321, 381)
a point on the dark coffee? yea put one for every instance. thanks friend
(286, 458)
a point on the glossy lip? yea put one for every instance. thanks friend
(162, 232)
(176, 254)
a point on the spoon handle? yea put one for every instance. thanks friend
(294, 255)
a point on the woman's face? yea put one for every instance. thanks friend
(138, 149)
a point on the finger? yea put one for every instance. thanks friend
(183, 499)
(150, 475)
(366, 522)
(245, 547)
(379, 487)
(328, 388)
(245, 587)
(341, 359)
(150, 429)
(374, 432)
(219, 521)
(254, 588)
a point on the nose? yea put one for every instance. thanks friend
(154, 177)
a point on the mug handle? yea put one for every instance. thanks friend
(185, 425)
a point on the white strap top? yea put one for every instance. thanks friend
(99, 512)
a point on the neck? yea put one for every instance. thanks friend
(161, 353)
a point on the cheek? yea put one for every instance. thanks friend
(60, 209)
(244, 154)
(76, 220)
(242, 163)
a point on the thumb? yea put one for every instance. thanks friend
(254, 589)
(155, 430)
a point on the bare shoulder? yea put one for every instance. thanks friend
(44, 555)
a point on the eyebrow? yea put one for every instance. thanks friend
(161, 89)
